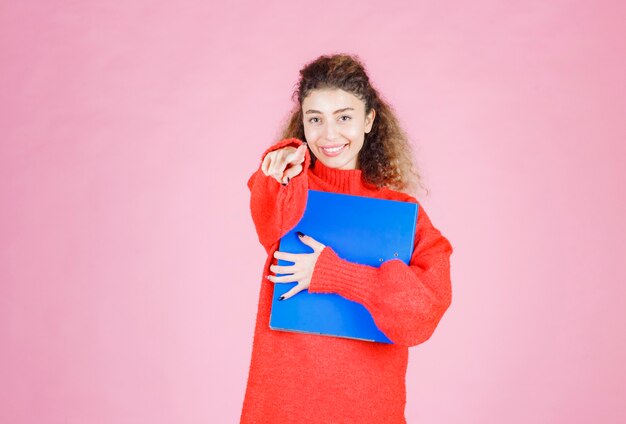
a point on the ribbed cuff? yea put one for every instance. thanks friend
(333, 274)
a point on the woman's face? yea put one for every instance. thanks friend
(335, 125)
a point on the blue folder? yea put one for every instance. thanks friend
(359, 229)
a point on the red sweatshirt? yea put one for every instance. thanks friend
(308, 378)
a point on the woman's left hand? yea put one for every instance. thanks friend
(302, 269)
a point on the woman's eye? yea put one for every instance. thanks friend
(311, 120)
(346, 116)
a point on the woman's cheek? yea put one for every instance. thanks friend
(312, 136)
(354, 131)
(314, 133)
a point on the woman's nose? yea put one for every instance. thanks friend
(330, 131)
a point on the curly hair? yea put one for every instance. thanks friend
(386, 156)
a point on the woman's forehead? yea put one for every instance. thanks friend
(330, 100)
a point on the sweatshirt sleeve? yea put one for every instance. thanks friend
(405, 301)
(277, 208)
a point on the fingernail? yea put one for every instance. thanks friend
(281, 298)
(300, 234)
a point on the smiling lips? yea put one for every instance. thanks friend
(333, 150)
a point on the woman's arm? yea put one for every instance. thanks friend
(277, 208)
(406, 301)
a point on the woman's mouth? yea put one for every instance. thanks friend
(333, 150)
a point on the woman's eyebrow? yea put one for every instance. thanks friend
(337, 111)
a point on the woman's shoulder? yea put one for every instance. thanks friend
(390, 194)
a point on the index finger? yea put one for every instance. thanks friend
(292, 257)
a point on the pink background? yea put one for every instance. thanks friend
(129, 264)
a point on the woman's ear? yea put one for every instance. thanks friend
(369, 120)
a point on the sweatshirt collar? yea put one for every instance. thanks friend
(340, 180)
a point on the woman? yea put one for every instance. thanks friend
(354, 146)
